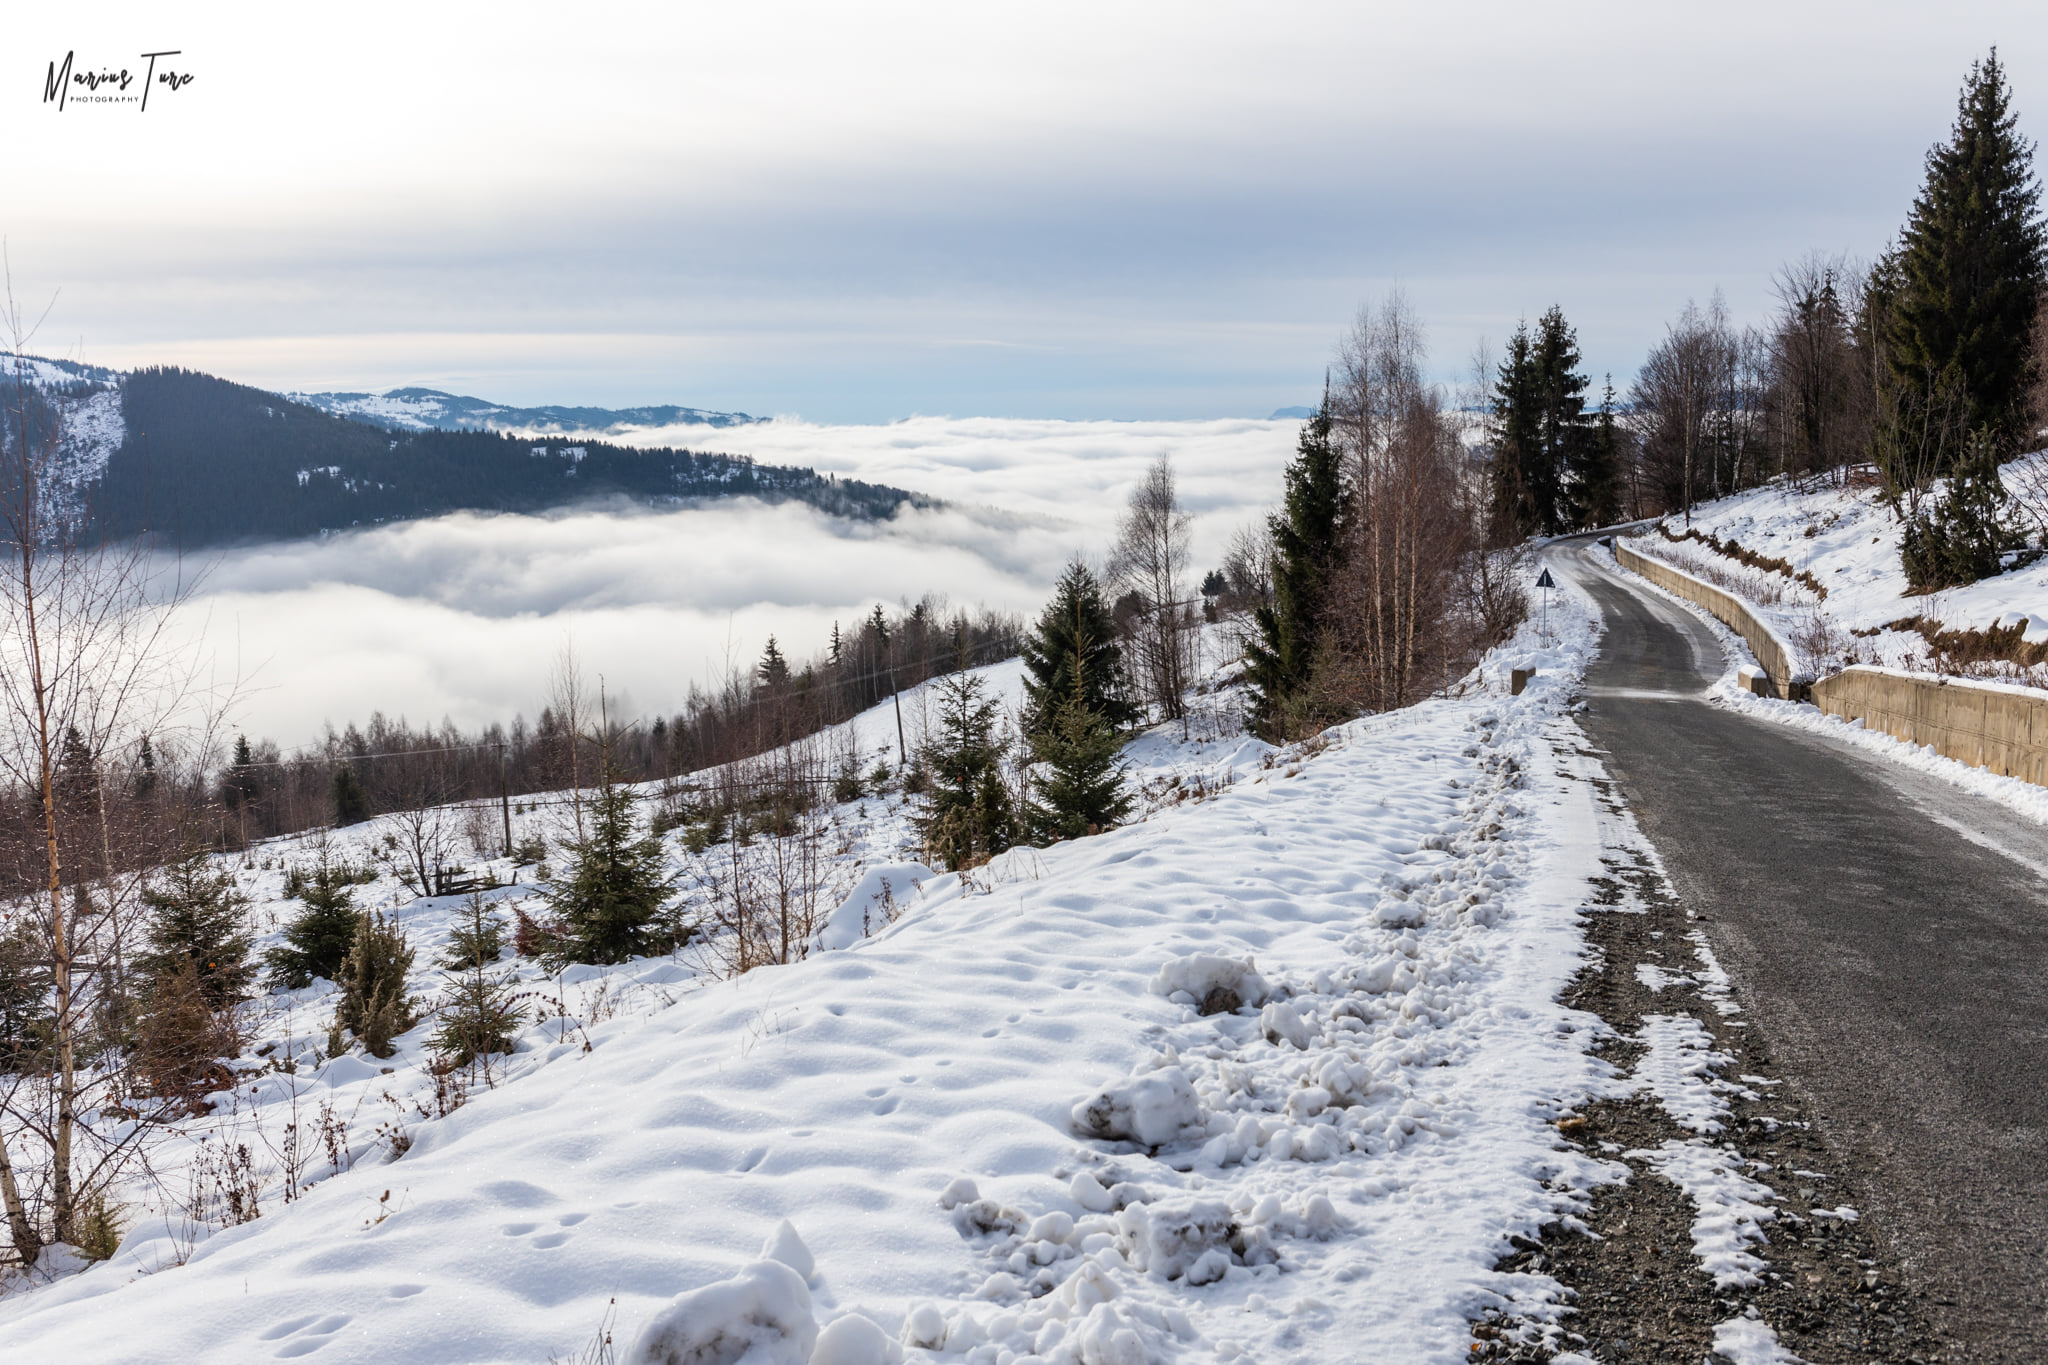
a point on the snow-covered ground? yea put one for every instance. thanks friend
(1848, 539)
(999, 1128)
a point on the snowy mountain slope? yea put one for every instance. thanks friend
(1331, 1167)
(418, 409)
(217, 463)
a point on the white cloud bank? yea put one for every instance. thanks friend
(460, 616)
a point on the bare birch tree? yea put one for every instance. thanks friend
(1151, 561)
(87, 671)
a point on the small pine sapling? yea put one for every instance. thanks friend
(317, 940)
(374, 1006)
(1082, 791)
(478, 937)
(609, 900)
(479, 1015)
(198, 917)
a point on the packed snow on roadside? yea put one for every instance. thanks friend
(997, 1128)
(1848, 539)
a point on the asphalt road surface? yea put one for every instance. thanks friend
(1888, 935)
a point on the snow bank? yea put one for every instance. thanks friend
(874, 904)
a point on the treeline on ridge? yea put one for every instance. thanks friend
(210, 462)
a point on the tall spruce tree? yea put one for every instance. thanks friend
(351, 805)
(1561, 425)
(1520, 495)
(1971, 269)
(1596, 475)
(1539, 430)
(1307, 539)
(197, 920)
(1072, 655)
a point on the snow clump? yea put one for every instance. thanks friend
(1151, 1110)
(1212, 983)
(761, 1316)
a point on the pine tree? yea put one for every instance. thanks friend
(1561, 419)
(1083, 791)
(608, 900)
(1596, 477)
(1073, 651)
(373, 1005)
(1518, 493)
(197, 918)
(351, 805)
(317, 940)
(1961, 538)
(1306, 540)
(773, 670)
(480, 1013)
(966, 817)
(240, 786)
(1538, 430)
(1970, 272)
(145, 771)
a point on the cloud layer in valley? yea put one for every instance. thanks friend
(461, 616)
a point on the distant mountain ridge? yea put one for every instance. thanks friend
(418, 409)
(200, 461)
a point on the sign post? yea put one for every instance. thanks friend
(1546, 582)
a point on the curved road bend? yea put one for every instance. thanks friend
(1888, 935)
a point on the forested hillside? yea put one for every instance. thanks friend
(204, 461)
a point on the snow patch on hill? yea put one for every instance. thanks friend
(418, 409)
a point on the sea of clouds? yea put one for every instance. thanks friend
(463, 616)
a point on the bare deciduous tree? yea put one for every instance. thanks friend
(1396, 631)
(86, 674)
(1151, 561)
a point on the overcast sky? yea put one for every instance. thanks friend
(858, 212)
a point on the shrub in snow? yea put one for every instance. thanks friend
(874, 904)
(1190, 1241)
(1213, 983)
(761, 1316)
(1151, 1110)
(179, 1040)
(374, 1006)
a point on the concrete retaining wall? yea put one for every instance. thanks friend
(1990, 727)
(1727, 608)
(1997, 728)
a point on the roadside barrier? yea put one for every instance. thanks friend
(1771, 651)
(2001, 729)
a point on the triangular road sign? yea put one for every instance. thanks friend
(1543, 580)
